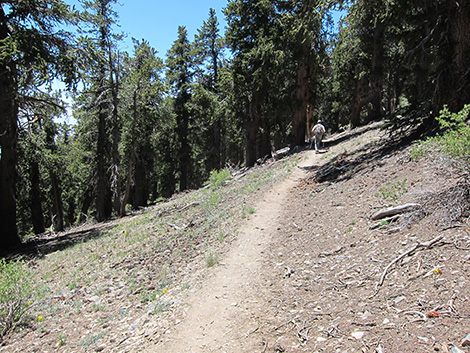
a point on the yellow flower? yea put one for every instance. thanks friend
(40, 318)
(437, 271)
(165, 290)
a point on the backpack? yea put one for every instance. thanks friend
(318, 129)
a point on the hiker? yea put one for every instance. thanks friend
(318, 132)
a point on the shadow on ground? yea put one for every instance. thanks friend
(40, 247)
(346, 165)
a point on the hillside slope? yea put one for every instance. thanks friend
(282, 259)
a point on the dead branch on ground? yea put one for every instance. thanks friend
(419, 246)
(396, 210)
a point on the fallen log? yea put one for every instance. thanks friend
(280, 153)
(396, 210)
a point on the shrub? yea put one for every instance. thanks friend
(217, 179)
(17, 294)
(454, 142)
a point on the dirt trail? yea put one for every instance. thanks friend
(219, 306)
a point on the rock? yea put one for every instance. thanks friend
(398, 299)
(93, 299)
(424, 339)
(358, 334)
(321, 339)
(366, 315)
(456, 350)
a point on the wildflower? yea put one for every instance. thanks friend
(437, 271)
(165, 290)
(40, 318)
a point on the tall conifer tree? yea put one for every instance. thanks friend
(33, 52)
(180, 72)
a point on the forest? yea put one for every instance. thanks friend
(146, 128)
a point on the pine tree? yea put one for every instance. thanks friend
(180, 72)
(143, 91)
(32, 53)
(207, 99)
(251, 36)
(101, 80)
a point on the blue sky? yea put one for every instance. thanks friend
(157, 21)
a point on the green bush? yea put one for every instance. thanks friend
(17, 294)
(454, 142)
(217, 179)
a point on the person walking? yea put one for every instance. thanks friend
(318, 133)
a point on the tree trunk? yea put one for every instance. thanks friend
(103, 201)
(71, 210)
(215, 160)
(125, 199)
(37, 214)
(458, 91)
(265, 141)
(184, 152)
(58, 211)
(141, 188)
(86, 203)
(376, 82)
(303, 101)
(358, 104)
(254, 118)
(8, 147)
(130, 166)
(115, 170)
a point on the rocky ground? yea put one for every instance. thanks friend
(301, 267)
